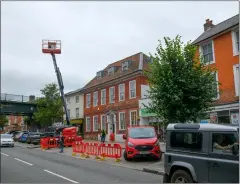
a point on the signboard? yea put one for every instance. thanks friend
(145, 113)
(235, 119)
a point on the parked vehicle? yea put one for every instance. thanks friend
(142, 141)
(7, 140)
(33, 138)
(202, 153)
(23, 137)
(17, 136)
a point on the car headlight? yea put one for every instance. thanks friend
(130, 144)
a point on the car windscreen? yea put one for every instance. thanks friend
(141, 133)
(6, 136)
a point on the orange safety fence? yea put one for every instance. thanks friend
(68, 141)
(109, 150)
(44, 143)
(52, 143)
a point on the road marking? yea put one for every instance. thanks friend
(60, 176)
(22, 161)
(4, 154)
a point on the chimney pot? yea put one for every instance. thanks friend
(208, 25)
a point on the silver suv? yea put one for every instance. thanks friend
(204, 153)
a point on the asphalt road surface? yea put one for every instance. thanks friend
(22, 165)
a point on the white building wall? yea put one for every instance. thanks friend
(72, 105)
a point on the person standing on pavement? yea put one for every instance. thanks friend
(61, 142)
(103, 136)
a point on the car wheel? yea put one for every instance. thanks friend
(181, 176)
(125, 156)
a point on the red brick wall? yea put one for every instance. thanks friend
(126, 105)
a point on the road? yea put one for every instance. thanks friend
(22, 165)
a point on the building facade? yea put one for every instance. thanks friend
(219, 45)
(15, 123)
(75, 109)
(111, 99)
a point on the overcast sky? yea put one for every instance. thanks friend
(93, 35)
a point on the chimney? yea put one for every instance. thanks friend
(208, 25)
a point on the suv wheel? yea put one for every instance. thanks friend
(181, 176)
(125, 156)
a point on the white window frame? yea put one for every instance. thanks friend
(77, 99)
(119, 116)
(95, 99)
(77, 112)
(131, 117)
(234, 42)
(88, 120)
(236, 75)
(201, 51)
(95, 130)
(88, 105)
(68, 100)
(119, 91)
(125, 65)
(218, 92)
(110, 99)
(130, 94)
(103, 99)
(110, 71)
(103, 115)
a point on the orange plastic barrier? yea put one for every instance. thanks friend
(78, 138)
(78, 147)
(44, 143)
(52, 143)
(68, 141)
(110, 150)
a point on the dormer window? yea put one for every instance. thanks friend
(125, 65)
(111, 71)
(99, 75)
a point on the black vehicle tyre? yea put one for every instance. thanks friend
(125, 156)
(181, 176)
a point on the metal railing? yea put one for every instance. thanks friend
(17, 98)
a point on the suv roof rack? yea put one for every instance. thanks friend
(187, 126)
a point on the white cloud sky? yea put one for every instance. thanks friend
(93, 35)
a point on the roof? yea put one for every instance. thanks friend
(203, 127)
(73, 92)
(138, 62)
(227, 24)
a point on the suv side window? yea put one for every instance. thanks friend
(186, 140)
(222, 141)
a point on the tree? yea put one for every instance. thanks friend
(49, 107)
(3, 121)
(182, 88)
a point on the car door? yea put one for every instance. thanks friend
(223, 165)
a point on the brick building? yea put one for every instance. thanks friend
(111, 98)
(219, 45)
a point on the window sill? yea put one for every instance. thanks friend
(209, 63)
(236, 54)
(95, 130)
(121, 100)
(132, 98)
(122, 129)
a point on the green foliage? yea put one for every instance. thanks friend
(181, 88)
(49, 107)
(3, 121)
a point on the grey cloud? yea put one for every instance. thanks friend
(93, 35)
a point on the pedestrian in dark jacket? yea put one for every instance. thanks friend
(61, 142)
(103, 136)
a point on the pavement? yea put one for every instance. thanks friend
(22, 165)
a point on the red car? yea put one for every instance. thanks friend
(142, 141)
